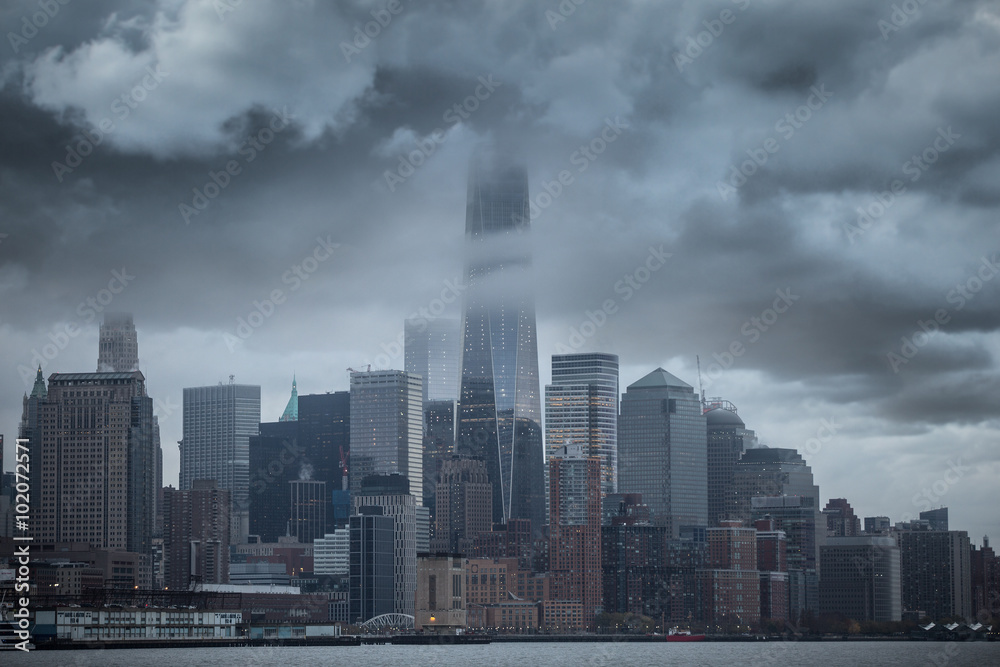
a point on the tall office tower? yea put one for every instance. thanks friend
(877, 525)
(386, 431)
(439, 443)
(372, 565)
(840, 519)
(805, 530)
(771, 472)
(581, 407)
(276, 458)
(157, 480)
(433, 350)
(464, 505)
(291, 412)
(662, 450)
(308, 501)
(196, 540)
(985, 575)
(772, 563)
(118, 346)
(391, 494)
(324, 434)
(95, 460)
(500, 416)
(935, 568)
(938, 519)
(730, 583)
(575, 528)
(728, 438)
(861, 578)
(218, 424)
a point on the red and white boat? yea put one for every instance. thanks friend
(676, 635)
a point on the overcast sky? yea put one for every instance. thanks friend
(714, 157)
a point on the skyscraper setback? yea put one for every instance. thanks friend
(500, 403)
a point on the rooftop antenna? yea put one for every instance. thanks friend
(232, 379)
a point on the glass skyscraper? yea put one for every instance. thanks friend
(663, 450)
(432, 350)
(581, 407)
(500, 413)
(385, 410)
(218, 423)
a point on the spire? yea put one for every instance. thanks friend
(39, 390)
(291, 413)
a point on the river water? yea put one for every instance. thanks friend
(737, 654)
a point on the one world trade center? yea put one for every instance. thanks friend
(500, 419)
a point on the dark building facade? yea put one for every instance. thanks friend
(500, 415)
(309, 502)
(196, 537)
(275, 460)
(575, 528)
(372, 564)
(464, 499)
(663, 450)
(861, 578)
(935, 568)
(728, 437)
(94, 461)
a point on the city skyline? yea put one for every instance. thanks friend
(848, 318)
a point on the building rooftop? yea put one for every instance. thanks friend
(659, 378)
(723, 417)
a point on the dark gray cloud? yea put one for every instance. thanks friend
(664, 175)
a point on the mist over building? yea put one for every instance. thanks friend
(500, 415)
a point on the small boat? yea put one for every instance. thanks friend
(677, 635)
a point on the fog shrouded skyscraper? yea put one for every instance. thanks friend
(119, 346)
(433, 350)
(500, 413)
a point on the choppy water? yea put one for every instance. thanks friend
(902, 654)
